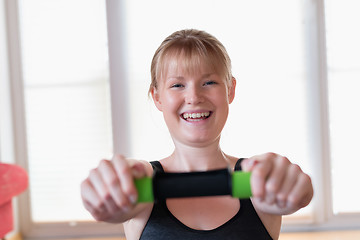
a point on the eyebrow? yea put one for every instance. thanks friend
(177, 78)
(206, 75)
(181, 78)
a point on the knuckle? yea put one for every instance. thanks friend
(295, 169)
(272, 187)
(93, 173)
(259, 172)
(293, 201)
(104, 162)
(118, 157)
(99, 216)
(125, 171)
(114, 182)
(104, 196)
(122, 203)
(284, 160)
(84, 186)
(99, 206)
(127, 190)
(305, 180)
(270, 155)
(281, 197)
(107, 197)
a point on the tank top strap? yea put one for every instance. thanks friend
(157, 167)
(238, 164)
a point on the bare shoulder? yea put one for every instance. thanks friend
(135, 226)
(232, 161)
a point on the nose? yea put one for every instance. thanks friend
(194, 95)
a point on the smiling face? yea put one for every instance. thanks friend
(194, 102)
(192, 84)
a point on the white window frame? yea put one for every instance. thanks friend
(314, 20)
(318, 105)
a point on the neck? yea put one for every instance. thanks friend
(204, 158)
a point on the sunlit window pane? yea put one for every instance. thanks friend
(343, 50)
(66, 99)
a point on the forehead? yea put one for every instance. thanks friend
(183, 64)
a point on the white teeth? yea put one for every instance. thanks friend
(195, 115)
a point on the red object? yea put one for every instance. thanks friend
(13, 181)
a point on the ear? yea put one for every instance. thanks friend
(156, 98)
(231, 93)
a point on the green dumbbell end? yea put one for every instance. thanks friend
(241, 187)
(144, 187)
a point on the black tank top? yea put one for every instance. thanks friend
(162, 224)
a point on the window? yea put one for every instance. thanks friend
(73, 103)
(344, 112)
(67, 103)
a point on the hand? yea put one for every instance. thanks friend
(278, 186)
(109, 193)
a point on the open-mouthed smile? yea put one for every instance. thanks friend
(198, 116)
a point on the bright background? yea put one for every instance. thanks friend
(69, 107)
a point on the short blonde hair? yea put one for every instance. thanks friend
(194, 47)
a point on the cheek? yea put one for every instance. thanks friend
(220, 97)
(172, 100)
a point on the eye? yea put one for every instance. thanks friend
(177, 85)
(210, 83)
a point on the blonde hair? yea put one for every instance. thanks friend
(193, 47)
